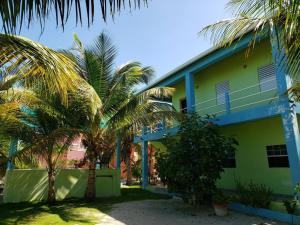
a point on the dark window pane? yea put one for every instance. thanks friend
(230, 163)
(281, 161)
(183, 105)
(277, 156)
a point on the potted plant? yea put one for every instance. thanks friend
(220, 204)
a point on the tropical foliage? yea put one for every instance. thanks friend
(38, 96)
(15, 14)
(193, 161)
(278, 18)
(121, 107)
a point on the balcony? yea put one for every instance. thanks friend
(239, 100)
(262, 96)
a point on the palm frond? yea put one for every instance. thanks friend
(34, 63)
(16, 14)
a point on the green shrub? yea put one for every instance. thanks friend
(219, 198)
(195, 159)
(255, 195)
(291, 205)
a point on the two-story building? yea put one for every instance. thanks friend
(247, 93)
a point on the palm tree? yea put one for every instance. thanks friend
(39, 93)
(45, 130)
(278, 18)
(120, 105)
(15, 13)
(26, 63)
(127, 134)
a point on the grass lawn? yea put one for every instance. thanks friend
(69, 212)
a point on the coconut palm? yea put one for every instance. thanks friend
(120, 105)
(25, 63)
(14, 14)
(39, 93)
(44, 128)
(279, 19)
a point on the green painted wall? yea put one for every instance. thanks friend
(241, 73)
(251, 157)
(32, 185)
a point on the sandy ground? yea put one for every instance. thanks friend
(175, 212)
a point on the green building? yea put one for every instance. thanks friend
(247, 93)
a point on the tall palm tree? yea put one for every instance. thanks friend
(279, 19)
(120, 105)
(39, 93)
(44, 128)
(14, 14)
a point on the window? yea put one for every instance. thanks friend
(221, 89)
(183, 105)
(230, 163)
(267, 77)
(277, 156)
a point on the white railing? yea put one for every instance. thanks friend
(237, 100)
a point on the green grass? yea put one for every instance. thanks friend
(71, 211)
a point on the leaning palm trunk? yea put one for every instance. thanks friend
(51, 187)
(90, 193)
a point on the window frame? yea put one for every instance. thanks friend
(264, 86)
(221, 100)
(279, 152)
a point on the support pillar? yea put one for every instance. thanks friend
(13, 147)
(190, 92)
(144, 164)
(288, 115)
(118, 153)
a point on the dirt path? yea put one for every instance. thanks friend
(174, 212)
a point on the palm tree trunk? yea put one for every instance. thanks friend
(90, 193)
(51, 188)
(128, 170)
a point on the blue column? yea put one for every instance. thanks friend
(227, 102)
(190, 92)
(288, 115)
(144, 164)
(13, 147)
(118, 153)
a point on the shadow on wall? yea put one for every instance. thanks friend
(32, 185)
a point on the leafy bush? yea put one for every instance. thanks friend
(291, 205)
(136, 169)
(219, 198)
(195, 158)
(255, 195)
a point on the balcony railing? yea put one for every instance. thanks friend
(234, 101)
(244, 98)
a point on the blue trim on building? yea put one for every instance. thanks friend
(190, 92)
(284, 217)
(13, 147)
(252, 114)
(144, 164)
(289, 115)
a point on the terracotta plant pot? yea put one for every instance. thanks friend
(221, 209)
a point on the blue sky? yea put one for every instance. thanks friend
(163, 36)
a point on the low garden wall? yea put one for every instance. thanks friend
(32, 184)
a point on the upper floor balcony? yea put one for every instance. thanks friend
(229, 106)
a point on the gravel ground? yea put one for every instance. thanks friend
(175, 212)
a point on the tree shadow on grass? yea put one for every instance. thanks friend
(71, 211)
(59, 213)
